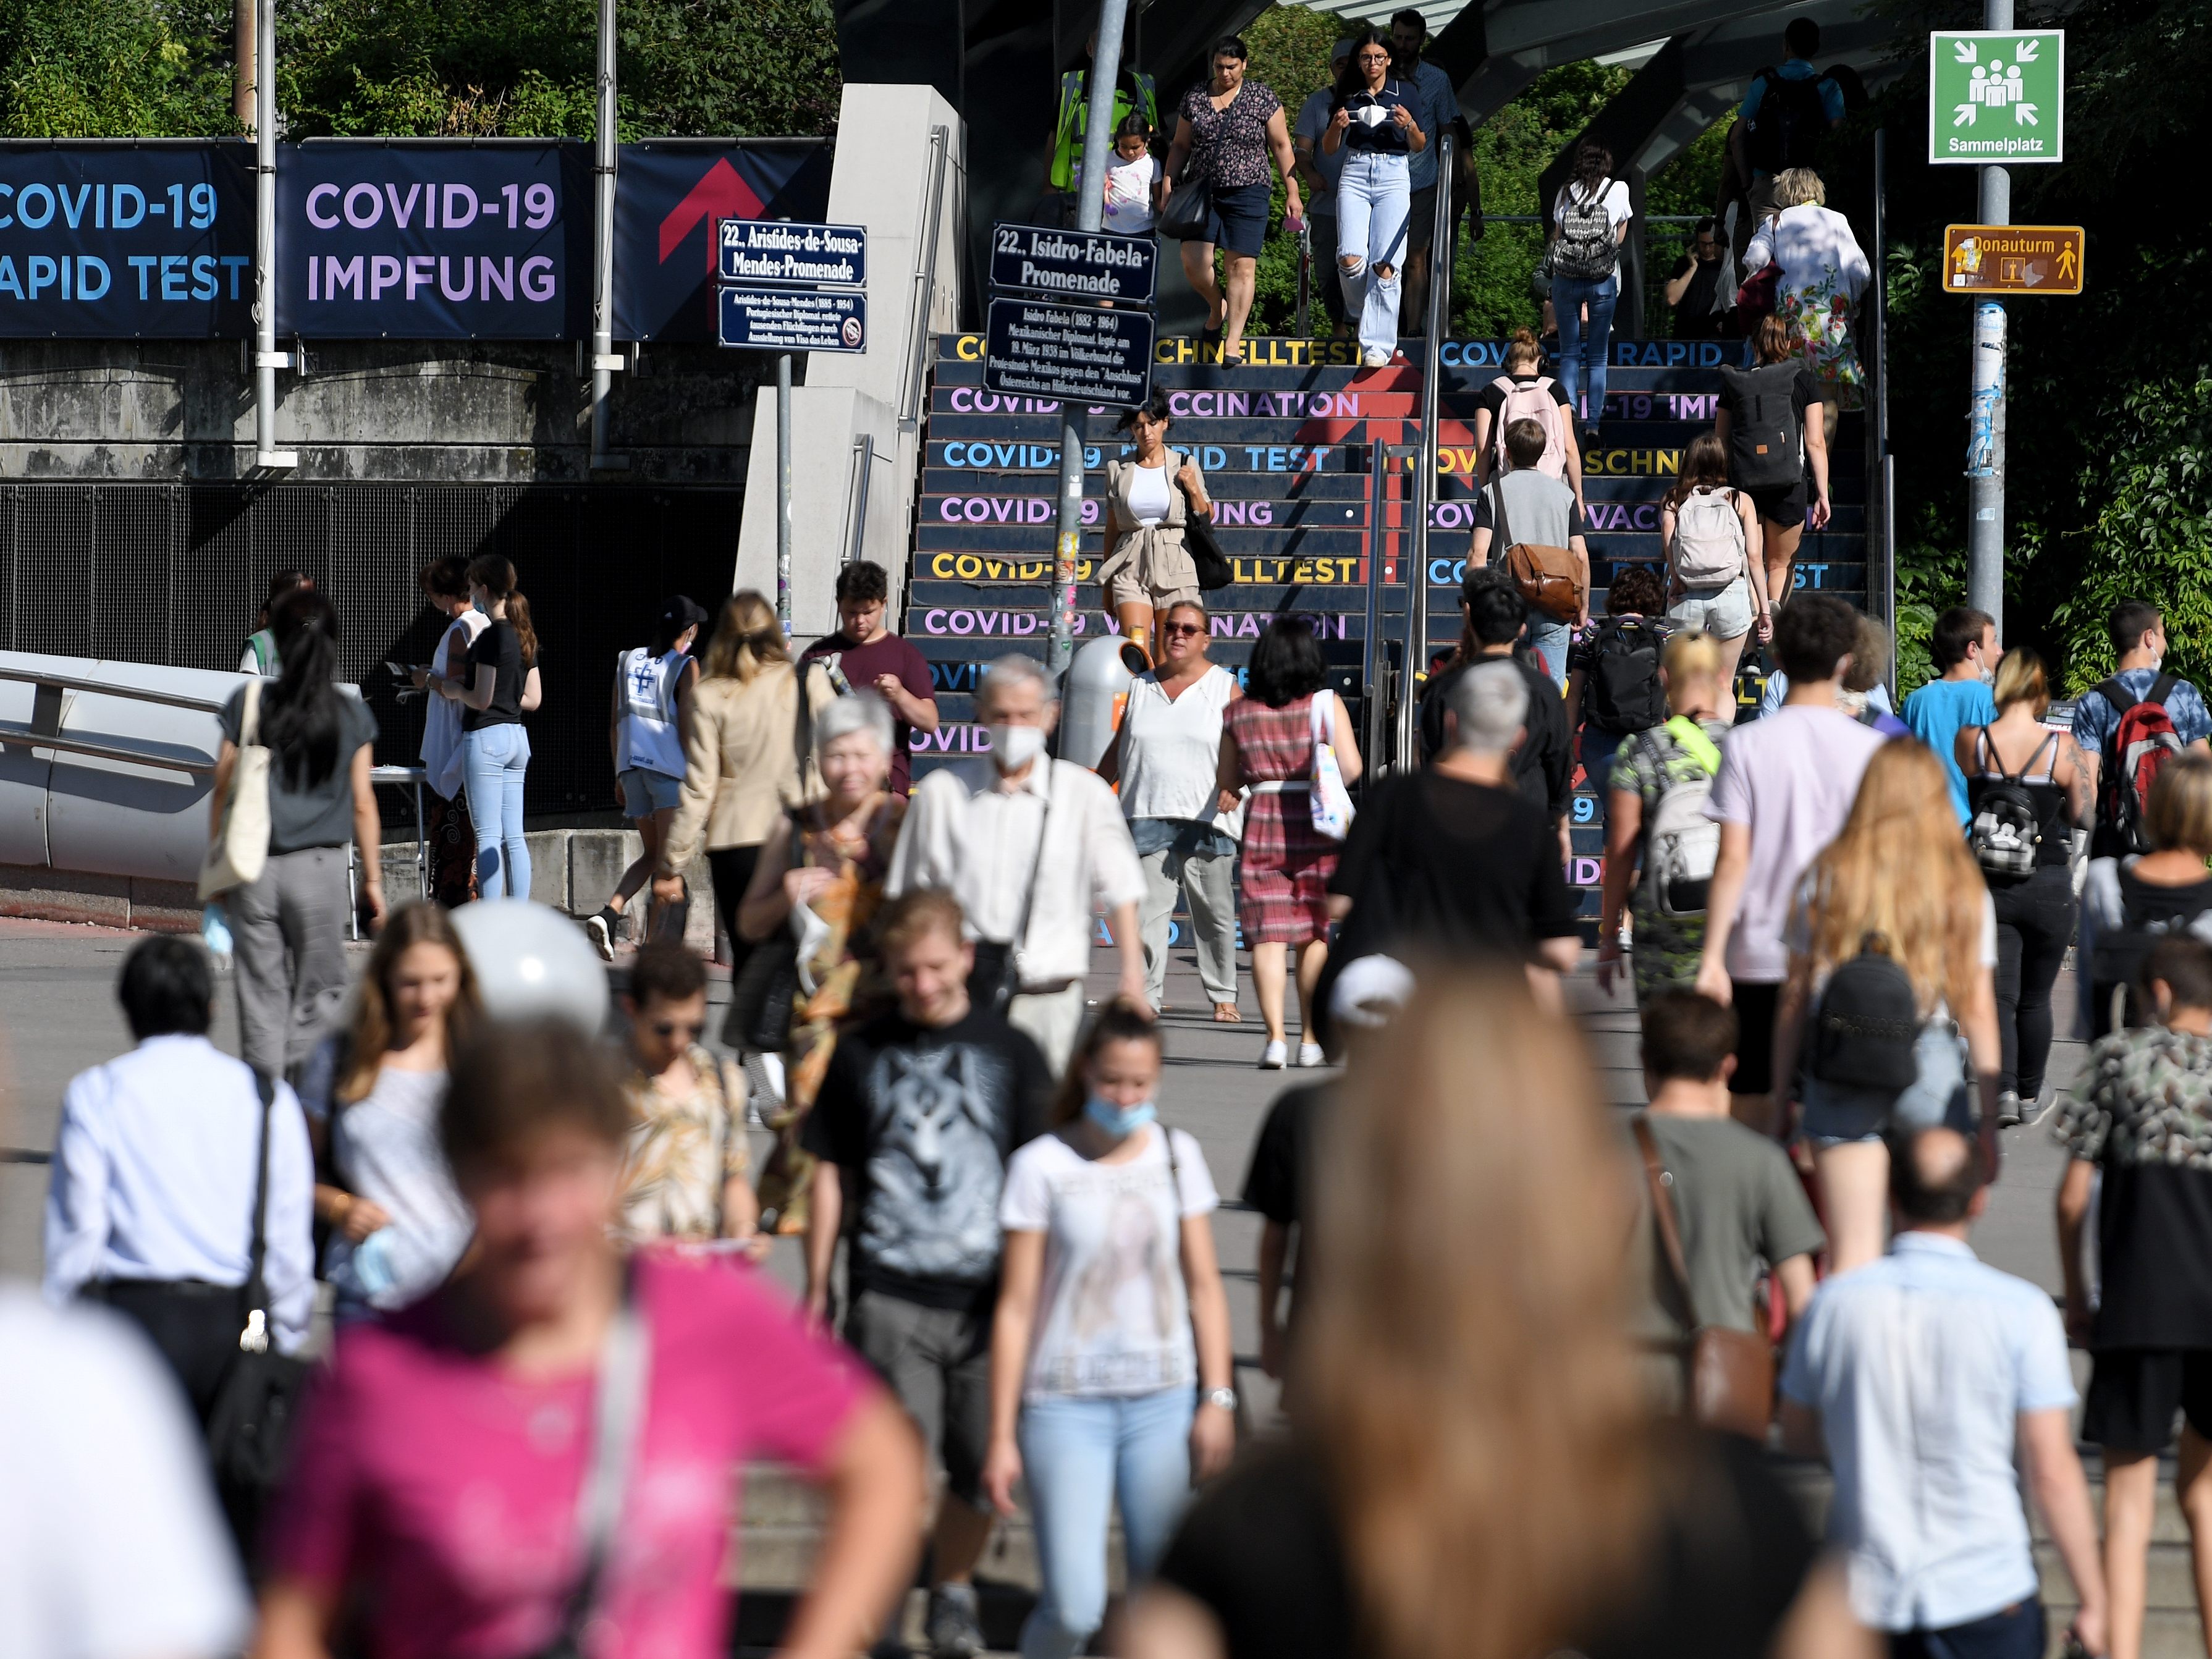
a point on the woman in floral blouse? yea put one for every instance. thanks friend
(1225, 134)
(1824, 273)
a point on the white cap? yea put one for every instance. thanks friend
(1371, 991)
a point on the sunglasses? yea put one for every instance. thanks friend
(1182, 628)
(670, 1028)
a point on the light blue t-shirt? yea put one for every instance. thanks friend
(1439, 107)
(1937, 713)
(1920, 1365)
(1777, 687)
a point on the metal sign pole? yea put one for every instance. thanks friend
(1985, 419)
(1098, 136)
(266, 357)
(783, 490)
(604, 360)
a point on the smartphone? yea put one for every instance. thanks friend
(407, 670)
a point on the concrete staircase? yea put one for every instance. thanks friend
(1283, 442)
(781, 1532)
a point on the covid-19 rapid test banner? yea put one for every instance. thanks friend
(407, 240)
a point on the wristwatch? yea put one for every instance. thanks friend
(1224, 1398)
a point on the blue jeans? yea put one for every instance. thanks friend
(1372, 200)
(1597, 752)
(1583, 355)
(2014, 1632)
(498, 757)
(1548, 639)
(1079, 1455)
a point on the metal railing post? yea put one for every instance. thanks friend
(1372, 658)
(1412, 672)
(925, 279)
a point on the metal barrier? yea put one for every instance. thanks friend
(925, 279)
(1412, 672)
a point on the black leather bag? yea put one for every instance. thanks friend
(1214, 567)
(996, 979)
(250, 1426)
(766, 987)
(1189, 209)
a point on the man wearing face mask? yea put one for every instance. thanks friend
(1966, 652)
(1032, 848)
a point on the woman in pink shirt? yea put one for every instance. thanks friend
(442, 1457)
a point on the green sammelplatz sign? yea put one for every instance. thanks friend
(1996, 97)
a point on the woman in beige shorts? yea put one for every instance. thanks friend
(1150, 496)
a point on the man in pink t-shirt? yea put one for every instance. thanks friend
(1785, 786)
(442, 1457)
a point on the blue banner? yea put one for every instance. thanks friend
(126, 239)
(434, 240)
(671, 197)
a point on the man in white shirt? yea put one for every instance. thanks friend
(1922, 1377)
(111, 1545)
(149, 1206)
(1031, 850)
(1785, 786)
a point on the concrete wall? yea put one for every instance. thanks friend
(451, 412)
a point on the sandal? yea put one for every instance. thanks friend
(1227, 1013)
(1210, 336)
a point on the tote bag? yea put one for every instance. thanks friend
(240, 851)
(1327, 799)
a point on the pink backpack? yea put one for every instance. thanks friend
(1532, 402)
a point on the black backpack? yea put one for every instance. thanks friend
(1622, 693)
(2006, 835)
(1867, 1022)
(1765, 444)
(1791, 121)
(2116, 963)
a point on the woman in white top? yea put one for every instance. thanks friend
(646, 728)
(1110, 1356)
(1164, 757)
(453, 838)
(1150, 497)
(1824, 272)
(1589, 221)
(373, 1095)
(1897, 878)
(1716, 574)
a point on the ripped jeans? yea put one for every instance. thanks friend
(1374, 195)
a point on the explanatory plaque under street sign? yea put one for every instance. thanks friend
(1084, 354)
(792, 319)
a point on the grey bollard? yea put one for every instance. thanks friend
(1090, 697)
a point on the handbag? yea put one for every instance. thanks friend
(767, 987)
(996, 979)
(1729, 1374)
(240, 851)
(249, 1430)
(1214, 570)
(1549, 577)
(1327, 798)
(1189, 212)
(618, 1422)
(1759, 293)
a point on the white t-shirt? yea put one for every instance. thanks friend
(1171, 750)
(1151, 494)
(1129, 194)
(1113, 1313)
(110, 1546)
(1616, 203)
(1791, 777)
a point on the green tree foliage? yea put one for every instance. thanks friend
(112, 68)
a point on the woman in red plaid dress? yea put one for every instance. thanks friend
(1267, 746)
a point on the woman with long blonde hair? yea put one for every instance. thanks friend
(1473, 1471)
(1898, 881)
(372, 1095)
(742, 757)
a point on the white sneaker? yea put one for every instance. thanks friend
(1309, 1055)
(1376, 358)
(1274, 1056)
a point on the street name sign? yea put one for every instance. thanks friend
(1081, 265)
(1090, 355)
(782, 250)
(2006, 259)
(1996, 97)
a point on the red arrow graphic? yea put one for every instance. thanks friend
(721, 194)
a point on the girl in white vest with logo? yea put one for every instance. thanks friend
(645, 727)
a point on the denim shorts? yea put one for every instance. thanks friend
(647, 793)
(1723, 612)
(1237, 222)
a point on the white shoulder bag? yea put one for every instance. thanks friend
(1327, 799)
(240, 851)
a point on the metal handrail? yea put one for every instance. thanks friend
(102, 689)
(862, 474)
(1424, 484)
(1373, 659)
(925, 281)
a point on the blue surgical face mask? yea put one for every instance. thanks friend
(480, 607)
(1117, 1121)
